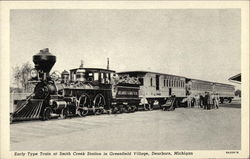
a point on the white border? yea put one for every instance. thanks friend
(5, 8)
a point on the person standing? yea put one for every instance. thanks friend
(206, 100)
(173, 104)
(201, 101)
(213, 101)
(189, 101)
(217, 98)
(197, 100)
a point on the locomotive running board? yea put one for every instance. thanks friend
(28, 109)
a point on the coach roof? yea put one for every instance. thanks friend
(93, 69)
(144, 72)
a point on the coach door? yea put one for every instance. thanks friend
(170, 91)
(157, 82)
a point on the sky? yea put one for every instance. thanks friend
(201, 44)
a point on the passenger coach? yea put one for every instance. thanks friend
(157, 88)
(199, 87)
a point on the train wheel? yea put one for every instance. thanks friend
(128, 109)
(99, 103)
(47, 113)
(114, 110)
(120, 109)
(65, 113)
(133, 108)
(84, 104)
(221, 100)
(145, 106)
(150, 107)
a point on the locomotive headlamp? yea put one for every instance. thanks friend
(33, 73)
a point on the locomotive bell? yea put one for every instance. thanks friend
(44, 60)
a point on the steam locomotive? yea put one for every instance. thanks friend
(83, 91)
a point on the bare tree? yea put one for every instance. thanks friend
(21, 76)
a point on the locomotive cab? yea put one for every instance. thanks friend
(93, 76)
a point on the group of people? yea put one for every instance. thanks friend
(209, 101)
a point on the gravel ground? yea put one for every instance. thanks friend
(189, 129)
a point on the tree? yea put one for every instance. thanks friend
(237, 93)
(21, 76)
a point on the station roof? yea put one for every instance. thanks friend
(236, 78)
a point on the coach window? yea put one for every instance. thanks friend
(164, 83)
(95, 76)
(101, 78)
(109, 76)
(141, 81)
(151, 81)
(90, 76)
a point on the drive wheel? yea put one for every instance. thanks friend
(65, 113)
(47, 113)
(99, 103)
(84, 105)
